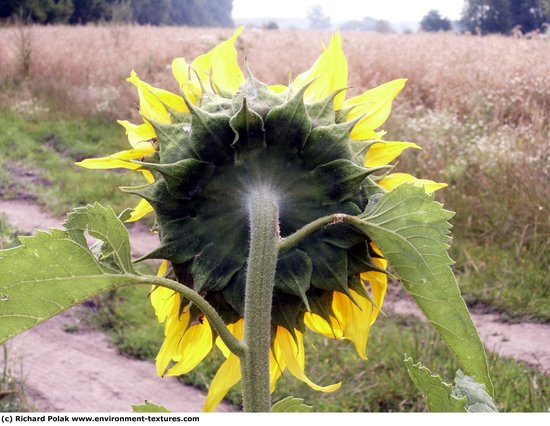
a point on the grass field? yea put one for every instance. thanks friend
(480, 107)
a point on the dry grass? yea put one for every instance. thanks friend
(479, 106)
(506, 78)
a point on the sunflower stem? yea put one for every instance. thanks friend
(293, 239)
(260, 278)
(233, 344)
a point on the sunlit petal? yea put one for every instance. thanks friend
(182, 73)
(319, 325)
(237, 330)
(356, 318)
(227, 376)
(392, 181)
(375, 104)
(293, 353)
(381, 153)
(277, 88)
(221, 65)
(142, 209)
(175, 326)
(193, 347)
(138, 133)
(329, 73)
(276, 365)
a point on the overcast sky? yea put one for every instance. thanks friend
(344, 10)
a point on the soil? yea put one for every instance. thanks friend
(73, 372)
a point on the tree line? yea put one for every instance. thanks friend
(154, 12)
(494, 16)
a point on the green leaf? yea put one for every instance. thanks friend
(412, 231)
(291, 405)
(101, 223)
(51, 272)
(479, 401)
(466, 395)
(437, 393)
(149, 407)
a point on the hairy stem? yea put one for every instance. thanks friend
(290, 241)
(260, 277)
(234, 345)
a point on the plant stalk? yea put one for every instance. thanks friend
(234, 345)
(260, 278)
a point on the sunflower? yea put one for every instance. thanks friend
(320, 153)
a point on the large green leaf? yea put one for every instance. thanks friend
(51, 272)
(438, 394)
(412, 230)
(466, 395)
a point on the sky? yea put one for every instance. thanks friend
(345, 10)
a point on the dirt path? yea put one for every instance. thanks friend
(83, 372)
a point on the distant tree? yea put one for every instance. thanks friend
(270, 25)
(155, 12)
(433, 21)
(528, 14)
(121, 12)
(40, 11)
(317, 19)
(202, 13)
(367, 24)
(487, 16)
(90, 11)
(382, 26)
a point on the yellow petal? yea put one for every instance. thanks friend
(356, 318)
(182, 73)
(162, 268)
(117, 160)
(319, 325)
(152, 101)
(237, 329)
(148, 175)
(106, 163)
(390, 182)
(142, 209)
(150, 105)
(195, 345)
(227, 376)
(221, 65)
(293, 354)
(329, 73)
(378, 283)
(174, 329)
(381, 153)
(375, 104)
(137, 134)
(277, 88)
(276, 366)
(166, 302)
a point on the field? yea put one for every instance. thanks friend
(479, 107)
